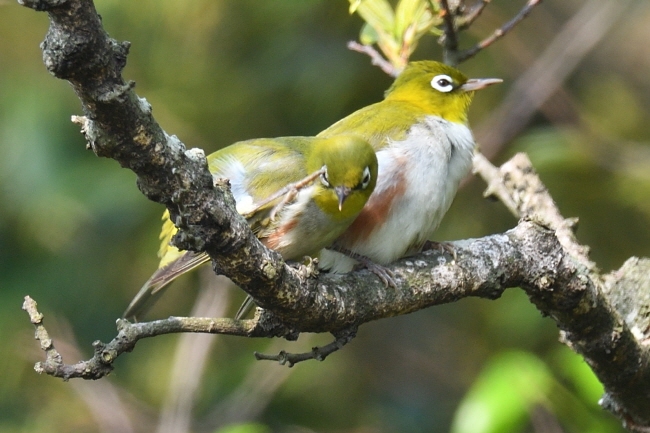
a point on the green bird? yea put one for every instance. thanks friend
(424, 147)
(297, 193)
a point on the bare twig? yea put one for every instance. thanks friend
(114, 409)
(450, 39)
(573, 42)
(495, 186)
(375, 58)
(318, 353)
(531, 256)
(41, 334)
(101, 364)
(468, 19)
(498, 33)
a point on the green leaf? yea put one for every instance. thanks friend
(575, 370)
(354, 4)
(409, 13)
(377, 13)
(245, 428)
(368, 35)
(503, 394)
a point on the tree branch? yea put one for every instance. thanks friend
(118, 124)
(450, 39)
(101, 364)
(596, 330)
(472, 15)
(498, 33)
(540, 254)
(375, 58)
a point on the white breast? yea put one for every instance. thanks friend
(433, 159)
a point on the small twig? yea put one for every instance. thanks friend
(521, 190)
(498, 33)
(576, 39)
(101, 364)
(468, 19)
(289, 192)
(191, 357)
(318, 353)
(450, 40)
(375, 57)
(495, 186)
(41, 334)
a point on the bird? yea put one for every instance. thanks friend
(298, 195)
(424, 149)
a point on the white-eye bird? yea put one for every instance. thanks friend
(297, 193)
(424, 147)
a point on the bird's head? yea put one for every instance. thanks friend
(437, 89)
(348, 177)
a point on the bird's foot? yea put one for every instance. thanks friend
(308, 267)
(385, 275)
(442, 247)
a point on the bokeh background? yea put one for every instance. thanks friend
(77, 236)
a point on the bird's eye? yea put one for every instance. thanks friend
(366, 177)
(323, 177)
(442, 83)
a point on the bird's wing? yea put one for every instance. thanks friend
(257, 169)
(260, 170)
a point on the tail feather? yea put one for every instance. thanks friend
(245, 308)
(154, 287)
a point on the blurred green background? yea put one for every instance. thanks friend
(77, 236)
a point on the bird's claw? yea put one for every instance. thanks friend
(385, 275)
(442, 247)
(309, 267)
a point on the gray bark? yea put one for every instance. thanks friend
(604, 318)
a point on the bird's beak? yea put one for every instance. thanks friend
(342, 193)
(479, 83)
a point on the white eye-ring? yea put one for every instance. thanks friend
(442, 83)
(323, 177)
(366, 177)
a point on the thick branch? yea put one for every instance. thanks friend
(528, 256)
(616, 351)
(540, 255)
(118, 124)
(333, 303)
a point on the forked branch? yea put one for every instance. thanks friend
(540, 254)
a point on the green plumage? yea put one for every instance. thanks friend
(295, 220)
